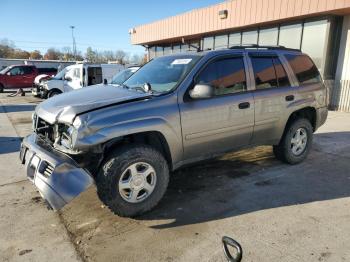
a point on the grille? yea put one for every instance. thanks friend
(44, 129)
(46, 169)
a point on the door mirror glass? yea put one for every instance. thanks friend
(202, 91)
(8, 73)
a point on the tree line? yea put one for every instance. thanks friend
(8, 49)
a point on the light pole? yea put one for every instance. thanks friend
(74, 45)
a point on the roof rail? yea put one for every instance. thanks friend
(268, 47)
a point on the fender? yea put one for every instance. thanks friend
(89, 137)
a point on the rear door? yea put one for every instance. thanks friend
(273, 94)
(28, 76)
(225, 121)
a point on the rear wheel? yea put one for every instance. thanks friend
(295, 143)
(1, 88)
(132, 180)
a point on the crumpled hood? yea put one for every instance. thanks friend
(64, 107)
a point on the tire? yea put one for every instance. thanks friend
(53, 93)
(292, 152)
(1, 88)
(118, 165)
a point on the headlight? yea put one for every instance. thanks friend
(34, 117)
(66, 134)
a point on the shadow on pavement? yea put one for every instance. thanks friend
(9, 144)
(230, 187)
(18, 108)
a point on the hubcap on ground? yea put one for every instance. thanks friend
(299, 141)
(137, 182)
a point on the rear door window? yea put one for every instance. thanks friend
(304, 69)
(226, 75)
(269, 73)
(27, 70)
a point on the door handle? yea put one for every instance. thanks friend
(244, 105)
(290, 98)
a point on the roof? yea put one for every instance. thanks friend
(240, 14)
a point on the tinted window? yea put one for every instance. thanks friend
(281, 74)
(226, 75)
(27, 69)
(264, 72)
(304, 69)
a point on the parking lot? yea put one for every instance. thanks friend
(276, 211)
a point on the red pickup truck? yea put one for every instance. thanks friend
(20, 76)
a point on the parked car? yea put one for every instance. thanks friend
(20, 76)
(175, 110)
(77, 76)
(123, 75)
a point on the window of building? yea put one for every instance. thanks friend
(282, 77)
(234, 39)
(221, 41)
(227, 76)
(167, 50)
(184, 48)
(290, 36)
(194, 45)
(250, 37)
(304, 69)
(159, 51)
(208, 43)
(268, 36)
(264, 72)
(152, 52)
(314, 41)
(176, 48)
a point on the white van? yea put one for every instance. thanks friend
(78, 76)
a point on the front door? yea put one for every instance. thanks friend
(74, 80)
(14, 77)
(223, 122)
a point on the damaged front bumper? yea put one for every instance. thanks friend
(57, 176)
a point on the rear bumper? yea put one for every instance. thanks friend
(57, 177)
(321, 116)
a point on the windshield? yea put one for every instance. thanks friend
(60, 74)
(163, 73)
(3, 71)
(120, 78)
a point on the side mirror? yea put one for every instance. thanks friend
(202, 91)
(105, 81)
(68, 78)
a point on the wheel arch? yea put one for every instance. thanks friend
(152, 138)
(308, 113)
(54, 90)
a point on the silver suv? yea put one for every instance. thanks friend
(173, 111)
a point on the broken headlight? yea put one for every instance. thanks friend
(68, 133)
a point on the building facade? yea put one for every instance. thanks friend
(320, 28)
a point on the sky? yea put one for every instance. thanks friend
(101, 24)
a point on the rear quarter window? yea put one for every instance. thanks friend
(304, 69)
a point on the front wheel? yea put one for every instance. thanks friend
(295, 143)
(53, 93)
(132, 180)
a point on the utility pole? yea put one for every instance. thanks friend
(74, 45)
